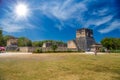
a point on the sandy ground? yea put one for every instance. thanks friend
(39, 57)
(9, 54)
(6, 54)
(30, 56)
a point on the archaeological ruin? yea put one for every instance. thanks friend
(84, 40)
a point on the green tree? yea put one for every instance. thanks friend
(54, 47)
(2, 43)
(37, 44)
(111, 43)
(22, 42)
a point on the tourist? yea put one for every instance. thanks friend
(95, 52)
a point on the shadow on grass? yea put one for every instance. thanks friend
(116, 78)
(1, 77)
(100, 68)
(107, 69)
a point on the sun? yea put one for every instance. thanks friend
(21, 10)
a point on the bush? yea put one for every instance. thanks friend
(102, 50)
(54, 47)
(38, 51)
(115, 51)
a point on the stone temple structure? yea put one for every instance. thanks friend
(12, 44)
(84, 40)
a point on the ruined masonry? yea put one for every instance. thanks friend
(84, 40)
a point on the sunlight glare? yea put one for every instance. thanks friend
(21, 10)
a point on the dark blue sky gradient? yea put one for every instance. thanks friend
(59, 19)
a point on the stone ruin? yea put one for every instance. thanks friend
(12, 44)
(84, 40)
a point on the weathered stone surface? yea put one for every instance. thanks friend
(72, 44)
(84, 39)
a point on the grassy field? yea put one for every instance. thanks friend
(57, 66)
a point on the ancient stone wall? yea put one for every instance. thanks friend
(32, 49)
(71, 44)
(11, 42)
(84, 39)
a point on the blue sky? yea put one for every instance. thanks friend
(59, 19)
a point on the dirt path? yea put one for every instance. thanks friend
(9, 54)
(42, 56)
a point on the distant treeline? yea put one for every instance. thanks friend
(23, 41)
(111, 43)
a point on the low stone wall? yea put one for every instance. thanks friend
(31, 49)
(12, 48)
(23, 49)
(72, 49)
(28, 49)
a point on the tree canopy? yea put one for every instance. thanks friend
(2, 42)
(111, 43)
(54, 47)
(37, 44)
(22, 42)
(40, 43)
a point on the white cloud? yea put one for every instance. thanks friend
(103, 20)
(98, 21)
(62, 10)
(68, 9)
(114, 25)
(10, 25)
(101, 12)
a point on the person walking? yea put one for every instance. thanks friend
(95, 52)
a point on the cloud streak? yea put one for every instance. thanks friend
(12, 26)
(112, 26)
(62, 10)
(86, 13)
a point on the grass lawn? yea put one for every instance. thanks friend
(62, 66)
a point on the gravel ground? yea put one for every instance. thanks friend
(22, 54)
(39, 57)
(7, 54)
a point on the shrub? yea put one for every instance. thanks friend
(38, 51)
(115, 51)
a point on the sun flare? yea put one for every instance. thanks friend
(21, 10)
